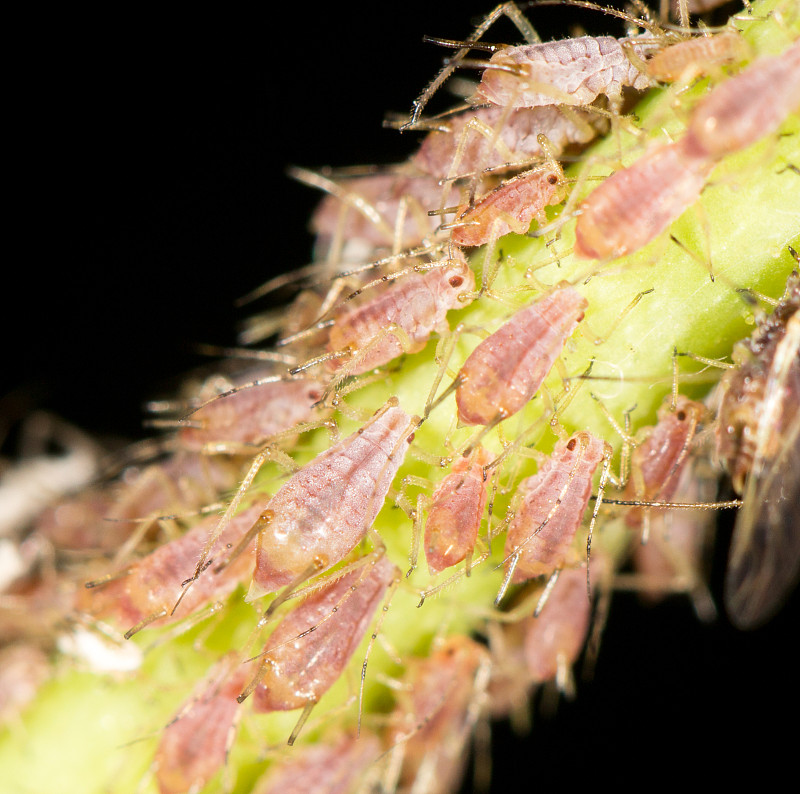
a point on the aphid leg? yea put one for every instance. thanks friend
(444, 351)
(586, 330)
(545, 595)
(511, 10)
(417, 533)
(604, 476)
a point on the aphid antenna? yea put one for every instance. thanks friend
(246, 353)
(461, 44)
(646, 23)
(285, 279)
(731, 504)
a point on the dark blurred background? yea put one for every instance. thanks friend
(149, 192)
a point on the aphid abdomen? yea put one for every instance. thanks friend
(553, 503)
(507, 368)
(750, 105)
(454, 518)
(634, 205)
(508, 208)
(577, 70)
(251, 415)
(559, 633)
(326, 508)
(299, 672)
(417, 305)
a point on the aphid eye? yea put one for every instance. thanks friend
(552, 179)
(456, 281)
(571, 444)
(314, 395)
(410, 438)
(681, 416)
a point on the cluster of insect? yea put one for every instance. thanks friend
(170, 542)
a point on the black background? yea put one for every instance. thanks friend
(149, 193)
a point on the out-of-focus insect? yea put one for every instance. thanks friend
(195, 744)
(758, 439)
(335, 767)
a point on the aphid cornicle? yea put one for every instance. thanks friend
(507, 368)
(327, 507)
(758, 439)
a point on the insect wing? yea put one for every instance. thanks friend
(764, 560)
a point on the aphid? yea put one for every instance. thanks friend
(635, 204)
(566, 72)
(758, 439)
(454, 518)
(746, 107)
(312, 645)
(195, 744)
(686, 60)
(491, 138)
(508, 208)
(336, 767)
(431, 734)
(658, 462)
(553, 502)
(328, 506)
(554, 639)
(146, 590)
(249, 416)
(401, 319)
(507, 368)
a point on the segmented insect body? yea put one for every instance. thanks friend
(507, 368)
(566, 72)
(553, 503)
(335, 768)
(297, 672)
(402, 318)
(328, 506)
(658, 461)
(436, 725)
(746, 107)
(369, 209)
(758, 439)
(517, 138)
(194, 746)
(252, 415)
(456, 511)
(634, 205)
(508, 208)
(695, 56)
(147, 590)
(554, 640)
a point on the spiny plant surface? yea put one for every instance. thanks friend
(685, 310)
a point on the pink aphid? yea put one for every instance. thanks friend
(509, 208)
(252, 415)
(368, 209)
(657, 462)
(328, 506)
(747, 107)
(194, 746)
(324, 768)
(553, 640)
(554, 500)
(517, 138)
(567, 72)
(456, 511)
(695, 56)
(147, 590)
(634, 205)
(415, 305)
(433, 731)
(507, 368)
(298, 670)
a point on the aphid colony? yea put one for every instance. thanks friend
(512, 453)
